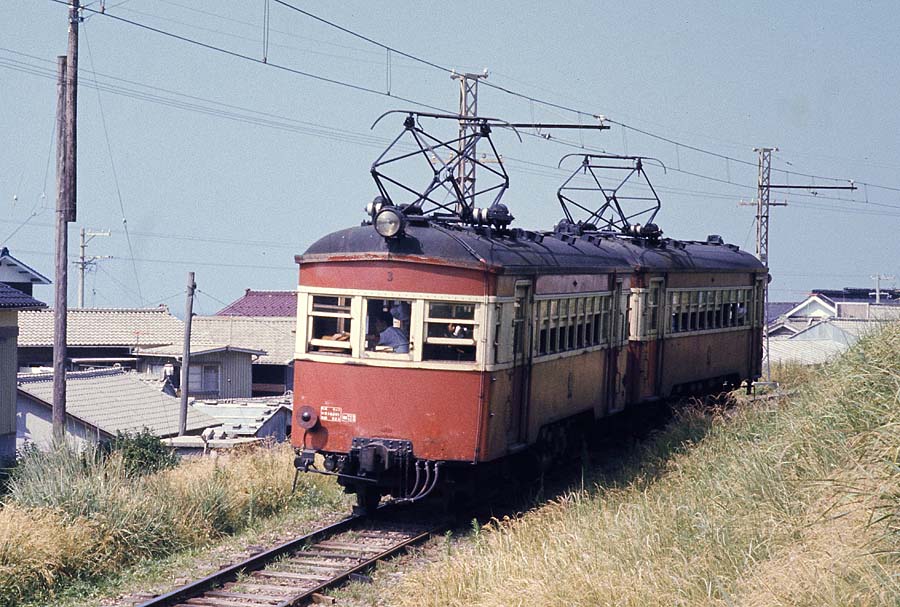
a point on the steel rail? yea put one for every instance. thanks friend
(254, 563)
(346, 575)
(364, 555)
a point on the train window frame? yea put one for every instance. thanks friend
(365, 349)
(448, 342)
(565, 324)
(697, 310)
(330, 346)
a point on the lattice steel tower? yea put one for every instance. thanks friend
(468, 106)
(762, 203)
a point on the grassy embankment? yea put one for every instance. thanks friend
(790, 502)
(71, 518)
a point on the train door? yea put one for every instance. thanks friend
(517, 431)
(651, 334)
(618, 350)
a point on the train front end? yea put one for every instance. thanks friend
(388, 385)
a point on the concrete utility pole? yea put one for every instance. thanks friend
(186, 353)
(84, 262)
(62, 242)
(468, 106)
(878, 278)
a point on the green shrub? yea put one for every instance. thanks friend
(143, 452)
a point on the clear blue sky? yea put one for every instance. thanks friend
(235, 200)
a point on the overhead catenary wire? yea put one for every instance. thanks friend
(443, 68)
(504, 89)
(112, 165)
(42, 198)
(237, 55)
(532, 99)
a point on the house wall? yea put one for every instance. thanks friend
(277, 427)
(34, 424)
(236, 375)
(235, 372)
(9, 330)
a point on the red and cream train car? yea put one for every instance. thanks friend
(508, 336)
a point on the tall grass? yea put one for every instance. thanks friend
(794, 502)
(74, 515)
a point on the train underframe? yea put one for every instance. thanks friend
(375, 467)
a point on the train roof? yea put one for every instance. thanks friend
(526, 252)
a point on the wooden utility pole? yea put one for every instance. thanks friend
(62, 242)
(72, 106)
(67, 97)
(186, 354)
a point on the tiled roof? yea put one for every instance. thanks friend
(274, 335)
(104, 327)
(263, 303)
(243, 417)
(774, 309)
(113, 400)
(13, 299)
(9, 265)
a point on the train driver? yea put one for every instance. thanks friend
(396, 336)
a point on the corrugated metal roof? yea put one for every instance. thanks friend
(804, 351)
(114, 400)
(263, 303)
(104, 327)
(243, 417)
(197, 349)
(14, 299)
(274, 335)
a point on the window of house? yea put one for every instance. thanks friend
(203, 379)
(451, 331)
(330, 320)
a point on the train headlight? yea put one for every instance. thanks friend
(389, 222)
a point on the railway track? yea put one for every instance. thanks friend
(292, 573)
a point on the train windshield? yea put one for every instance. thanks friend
(330, 323)
(388, 325)
(392, 328)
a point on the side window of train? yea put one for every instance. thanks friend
(693, 310)
(451, 331)
(330, 322)
(572, 323)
